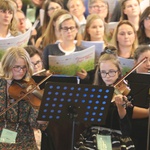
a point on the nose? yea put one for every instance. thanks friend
(148, 62)
(126, 35)
(7, 13)
(21, 70)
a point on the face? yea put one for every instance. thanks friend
(76, 8)
(19, 69)
(5, 17)
(99, 8)
(38, 2)
(132, 8)
(19, 4)
(144, 67)
(21, 22)
(68, 30)
(37, 63)
(108, 66)
(96, 30)
(53, 7)
(125, 35)
(147, 23)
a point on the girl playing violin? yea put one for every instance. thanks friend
(16, 124)
(117, 123)
(140, 117)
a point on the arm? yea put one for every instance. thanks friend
(139, 112)
(119, 103)
(82, 74)
(33, 120)
(125, 124)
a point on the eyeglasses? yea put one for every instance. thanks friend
(147, 18)
(6, 11)
(111, 73)
(53, 8)
(18, 68)
(98, 6)
(72, 28)
(37, 63)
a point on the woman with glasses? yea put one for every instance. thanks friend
(144, 27)
(99, 7)
(51, 34)
(17, 123)
(68, 29)
(8, 22)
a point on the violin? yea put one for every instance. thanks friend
(27, 91)
(121, 87)
(18, 88)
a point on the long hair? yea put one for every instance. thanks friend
(115, 41)
(49, 37)
(90, 19)
(10, 57)
(10, 5)
(46, 17)
(124, 16)
(141, 30)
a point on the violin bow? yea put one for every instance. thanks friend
(22, 97)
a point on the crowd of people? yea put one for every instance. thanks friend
(61, 26)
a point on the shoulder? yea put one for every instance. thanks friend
(79, 48)
(51, 49)
(2, 82)
(51, 46)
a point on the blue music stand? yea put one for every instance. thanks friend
(81, 102)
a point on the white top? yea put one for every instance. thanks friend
(66, 52)
(7, 36)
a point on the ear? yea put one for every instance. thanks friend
(125, 11)
(87, 30)
(84, 9)
(90, 10)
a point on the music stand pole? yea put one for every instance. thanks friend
(72, 112)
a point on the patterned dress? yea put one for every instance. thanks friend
(23, 113)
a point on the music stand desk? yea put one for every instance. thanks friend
(81, 102)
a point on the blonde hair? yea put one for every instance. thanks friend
(10, 5)
(90, 19)
(50, 31)
(10, 57)
(63, 18)
(115, 41)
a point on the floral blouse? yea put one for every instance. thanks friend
(22, 113)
